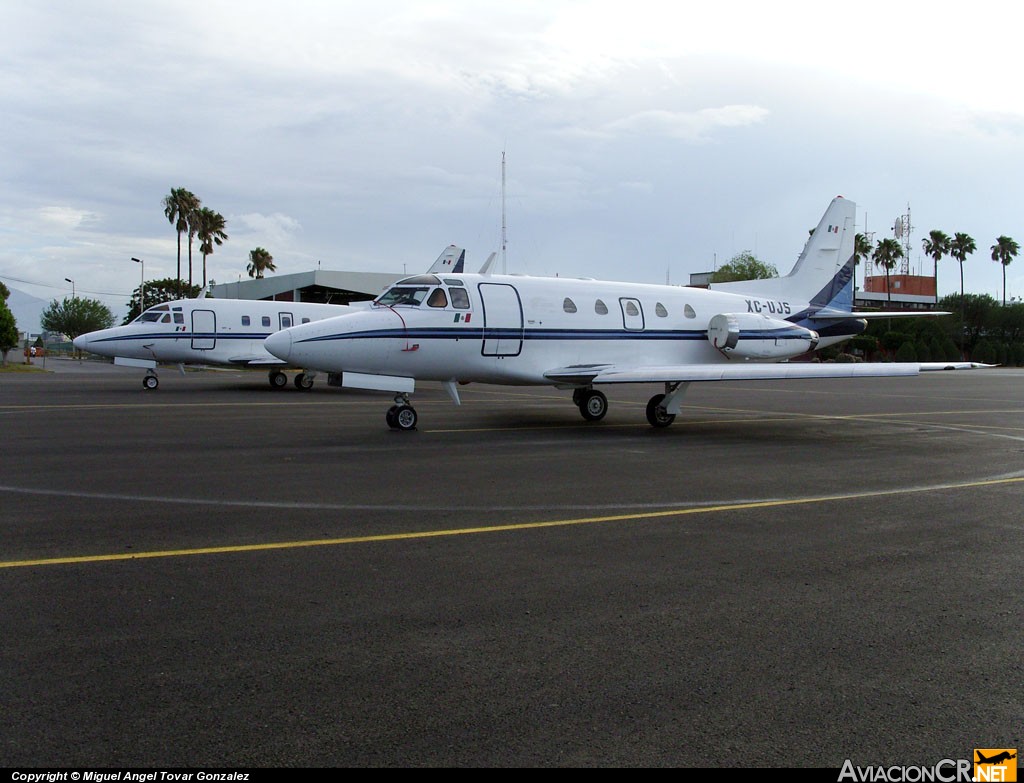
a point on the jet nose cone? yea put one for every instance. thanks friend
(81, 342)
(280, 345)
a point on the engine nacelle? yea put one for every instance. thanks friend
(755, 336)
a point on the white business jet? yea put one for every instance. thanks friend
(229, 332)
(576, 334)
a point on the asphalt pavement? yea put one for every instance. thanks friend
(219, 574)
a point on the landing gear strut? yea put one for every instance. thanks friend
(401, 415)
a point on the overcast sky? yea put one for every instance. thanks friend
(643, 140)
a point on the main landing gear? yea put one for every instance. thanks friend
(150, 381)
(303, 381)
(593, 404)
(401, 415)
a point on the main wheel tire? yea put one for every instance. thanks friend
(577, 396)
(405, 417)
(593, 405)
(656, 413)
(391, 417)
(303, 381)
(150, 382)
(278, 379)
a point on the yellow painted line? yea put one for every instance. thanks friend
(676, 512)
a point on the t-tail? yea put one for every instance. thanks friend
(822, 277)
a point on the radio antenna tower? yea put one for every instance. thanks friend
(901, 230)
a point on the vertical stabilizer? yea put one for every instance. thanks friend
(452, 259)
(823, 274)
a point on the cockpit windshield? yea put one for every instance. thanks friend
(403, 295)
(152, 315)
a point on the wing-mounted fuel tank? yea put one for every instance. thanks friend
(755, 336)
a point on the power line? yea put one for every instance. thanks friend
(60, 287)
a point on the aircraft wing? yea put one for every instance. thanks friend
(748, 371)
(828, 315)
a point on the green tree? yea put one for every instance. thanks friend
(158, 292)
(210, 231)
(743, 266)
(179, 205)
(76, 316)
(936, 245)
(1004, 251)
(886, 254)
(8, 327)
(260, 261)
(861, 249)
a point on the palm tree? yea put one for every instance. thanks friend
(886, 254)
(861, 249)
(179, 204)
(936, 245)
(260, 261)
(209, 227)
(1004, 251)
(961, 246)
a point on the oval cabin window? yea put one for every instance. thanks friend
(631, 309)
(660, 311)
(600, 308)
(689, 312)
(568, 305)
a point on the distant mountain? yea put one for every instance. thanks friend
(27, 311)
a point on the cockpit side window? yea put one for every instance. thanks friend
(148, 317)
(460, 299)
(438, 298)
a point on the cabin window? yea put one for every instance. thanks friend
(305, 320)
(266, 320)
(179, 318)
(286, 321)
(166, 319)
(451, 281)
(568, 305)
(632, 309)
(660, 311)
(689, 312)
(460, 298)
(245, 320)
(600, 308)
(437, 298)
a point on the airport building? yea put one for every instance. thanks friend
(319, 286)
